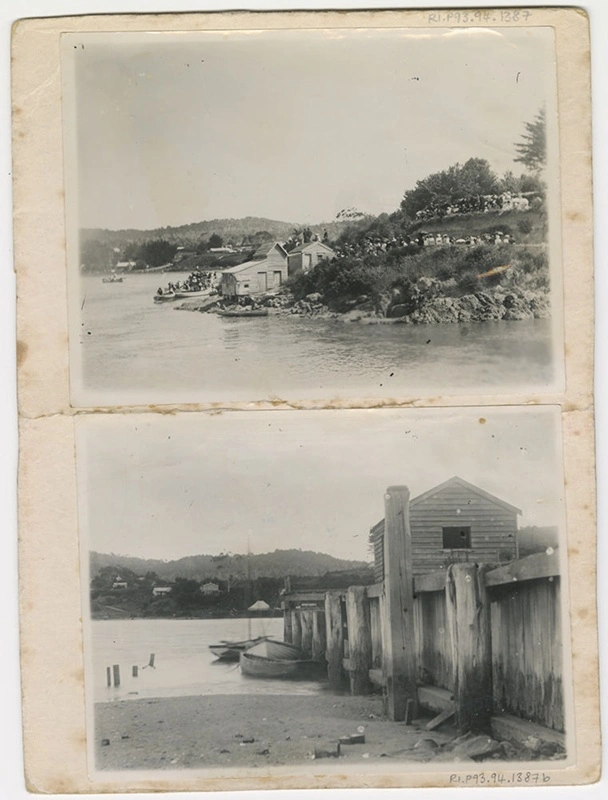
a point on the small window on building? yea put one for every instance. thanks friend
(458, 538)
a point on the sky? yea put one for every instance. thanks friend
(189, 484)
(292, 125)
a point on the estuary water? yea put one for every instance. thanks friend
(183, 663)
(129, 350)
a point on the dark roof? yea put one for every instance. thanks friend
(265, 248)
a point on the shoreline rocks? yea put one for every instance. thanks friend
(499, 303)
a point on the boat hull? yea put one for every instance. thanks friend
(186, 295)
(164, 298)
(263, 312)
(261, 667)
(231, 651)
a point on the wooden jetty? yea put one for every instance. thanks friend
(478, 644)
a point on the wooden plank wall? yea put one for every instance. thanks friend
(433, 641)
(527, 651)
(375, 616)
(493, 529)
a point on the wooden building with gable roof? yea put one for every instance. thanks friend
(306, 256)
(266, 271)
(455, 521)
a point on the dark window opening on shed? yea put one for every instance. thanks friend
(457, 538)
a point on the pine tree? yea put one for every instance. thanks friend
(532, 149)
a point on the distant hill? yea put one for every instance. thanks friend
(228, 229)
(280, 563)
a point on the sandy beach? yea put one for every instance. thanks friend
(252, 731)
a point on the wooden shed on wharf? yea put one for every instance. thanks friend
(452, 523)
(475, 642)
(266, 271)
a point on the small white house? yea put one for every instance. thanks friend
(160, 591)
(120, 585)
(306, 256)
(210, 588)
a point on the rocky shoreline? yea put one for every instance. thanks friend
(435, 307)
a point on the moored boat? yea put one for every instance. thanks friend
(256, 312)
(230, 651)
(112, 279)
(184, 294)
(256, 666)
(164, 297)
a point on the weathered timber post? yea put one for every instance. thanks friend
(400, 646)
(296, 627)
(306, 646)
(287, 633)
(334, 651)
(468, 611)
(318, 634)
(359, 639)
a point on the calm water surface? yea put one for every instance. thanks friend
(184, 666)
(133, 350)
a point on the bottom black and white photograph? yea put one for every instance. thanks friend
(341, 592)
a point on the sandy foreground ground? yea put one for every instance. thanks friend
(254, 731)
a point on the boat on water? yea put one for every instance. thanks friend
(256, 312)
(112, 279)
(273, 659)
(184, 294)
(231, 651)
(164, 297)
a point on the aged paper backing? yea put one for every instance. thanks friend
(55, 744)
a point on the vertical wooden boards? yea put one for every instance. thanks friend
(335, 639)
(469, 615)
(296, 627)
(318, 634)
(360, 640)
(306, 619)
(287, 634)
(400, 647)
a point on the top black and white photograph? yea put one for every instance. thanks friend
(338, 214)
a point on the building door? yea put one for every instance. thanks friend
(277, 277)
(263, 281)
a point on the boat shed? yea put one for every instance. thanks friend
(453, 522)
(266, 271)
(304, 257)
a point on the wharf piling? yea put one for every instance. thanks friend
(441, 641)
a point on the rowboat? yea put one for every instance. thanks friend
(257, 666)
(164, 297)
(230, 651)
(257, 312)
(184, 294)
(112, 279)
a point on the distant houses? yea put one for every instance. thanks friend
(266, 271)
(455, 521)
(210, 589)
(161, 591)
(306, 256)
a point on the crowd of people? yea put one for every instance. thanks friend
(377, 245)
(506, 201)
(195, 282)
